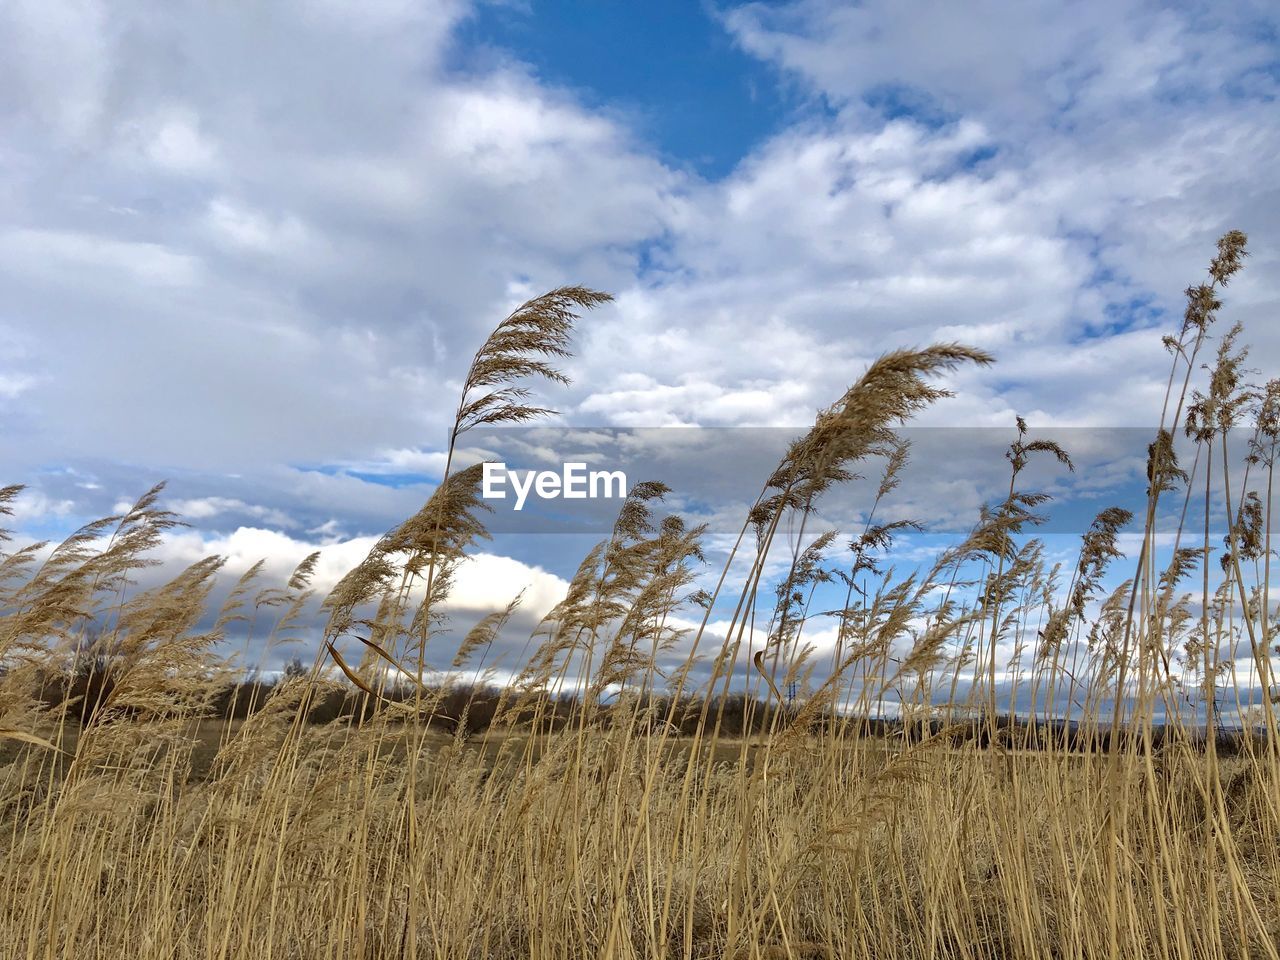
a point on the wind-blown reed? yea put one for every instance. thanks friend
(641, 788)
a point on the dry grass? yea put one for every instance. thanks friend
(150, 830)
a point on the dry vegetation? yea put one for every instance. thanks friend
(636, 821)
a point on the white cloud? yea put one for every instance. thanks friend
(42, 33)
(483, 583)
(206, 508)
(173, 141)
(409, 460)
(487, 582)
(251, 241)
(14, 384)
(33, 506)
(57, 254)
(1022, 62)
(255, 233)
(295, 213)
(1019, 222)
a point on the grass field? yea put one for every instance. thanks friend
(630, 823)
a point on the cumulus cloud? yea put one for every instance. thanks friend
(251, 249)
(204, 508)
(1108, 146)
(484, 582)
(290, 226)
(1027, 62)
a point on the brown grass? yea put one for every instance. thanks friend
(144, 828)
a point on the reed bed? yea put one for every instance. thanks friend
(666, 811)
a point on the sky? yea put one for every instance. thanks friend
(250, 248)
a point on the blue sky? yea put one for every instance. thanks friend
(250, 248)
(669, 69)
